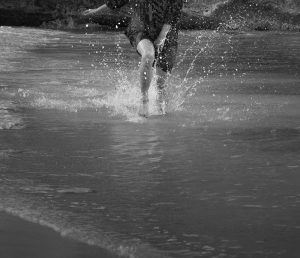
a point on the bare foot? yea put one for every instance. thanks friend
(161, 101)
(161, 106)
(144, 107)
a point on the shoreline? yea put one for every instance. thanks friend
(20, 238)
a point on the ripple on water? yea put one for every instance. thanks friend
(10, 118)
(76, 190)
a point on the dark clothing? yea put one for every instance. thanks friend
(147, 20)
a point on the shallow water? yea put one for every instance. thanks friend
(217, 177)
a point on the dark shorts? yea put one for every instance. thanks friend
(165, 59)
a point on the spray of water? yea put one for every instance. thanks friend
(112, 86)
(186, 87)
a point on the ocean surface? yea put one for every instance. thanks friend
(218, 176)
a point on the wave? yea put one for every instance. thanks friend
(58, 221)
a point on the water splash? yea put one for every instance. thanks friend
(119, 100)
(111, 87)
(186, 87)
(125, 99)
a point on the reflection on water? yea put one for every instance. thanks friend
(216, 177)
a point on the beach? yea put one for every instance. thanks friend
(218, 176)
(20, 239)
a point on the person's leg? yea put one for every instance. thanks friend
(165, 62)
(161, 90)
(164, 65)
(147, 52)
(161, 78)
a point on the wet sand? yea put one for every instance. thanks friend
(19, 239)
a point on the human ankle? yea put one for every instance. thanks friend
(145, 98)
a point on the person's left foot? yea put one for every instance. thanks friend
(144, 107)
(161, 106)
(161, 101)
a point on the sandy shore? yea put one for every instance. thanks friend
(19, 239)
